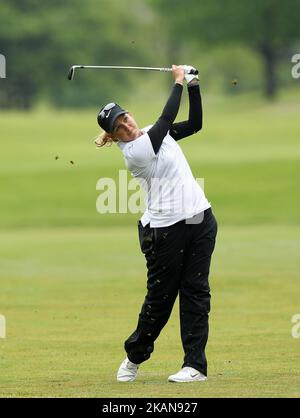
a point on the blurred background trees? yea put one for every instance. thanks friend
(251, 41)
(270, 28)
(40, 41)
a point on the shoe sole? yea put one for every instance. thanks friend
(187, 381)
(126, 378)
(125, 381)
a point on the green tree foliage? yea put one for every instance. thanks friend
(270, 27)
(41, 39)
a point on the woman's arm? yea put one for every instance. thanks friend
(194, 123)
(160, 128)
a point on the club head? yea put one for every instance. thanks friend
(71, 73)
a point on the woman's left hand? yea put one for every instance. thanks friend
(178, 73)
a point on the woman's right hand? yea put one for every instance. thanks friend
(178, 73)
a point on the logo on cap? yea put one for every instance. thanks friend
(108, 114)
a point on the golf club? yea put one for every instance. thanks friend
(113, 67)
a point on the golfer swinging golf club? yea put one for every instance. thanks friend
(177, 232)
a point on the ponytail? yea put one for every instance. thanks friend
(105, 139)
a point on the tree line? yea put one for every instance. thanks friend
(41, 39)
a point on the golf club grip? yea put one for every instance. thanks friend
(191, 71)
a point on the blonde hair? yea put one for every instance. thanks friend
(105, 139)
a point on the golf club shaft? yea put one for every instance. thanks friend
(114, 67)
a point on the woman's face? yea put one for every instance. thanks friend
(125, 128)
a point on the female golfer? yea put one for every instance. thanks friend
(177, 231)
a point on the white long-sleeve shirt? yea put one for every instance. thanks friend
(173, 194)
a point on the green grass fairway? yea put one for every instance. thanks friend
(70, 302)
(73, 281)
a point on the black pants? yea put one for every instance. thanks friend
(178, 261)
